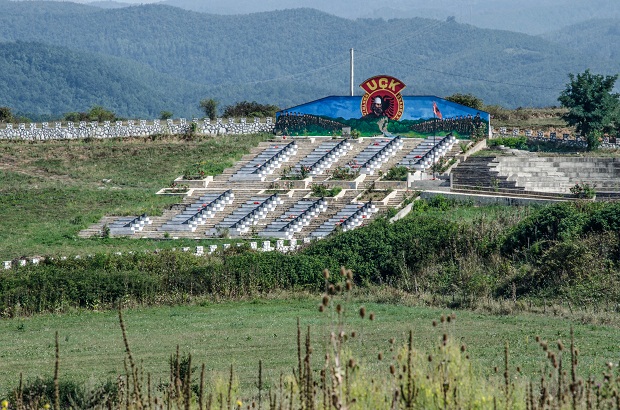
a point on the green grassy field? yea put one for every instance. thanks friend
(51, 190)
(242, 333)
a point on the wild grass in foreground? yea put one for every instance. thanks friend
(352, 355)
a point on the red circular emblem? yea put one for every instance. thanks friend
(382, 98)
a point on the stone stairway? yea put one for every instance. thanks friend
(229, 172)
(396, 199)
(96, 230)
(456, 149)
(357, 146)
(480, 172)
(559, 174)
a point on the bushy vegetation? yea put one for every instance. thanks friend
(246, 109)
(96, 113)
(343, 173)
(468, 100)
(320, 190)
(510, 142)
(398, 173)
(209, 106)
(593, 107)
(556, 252)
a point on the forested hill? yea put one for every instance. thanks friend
(286, 57)
(524, 16)
(599, 37)
(41, 79)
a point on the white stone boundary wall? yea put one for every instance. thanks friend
(264, 246)
(132, 128)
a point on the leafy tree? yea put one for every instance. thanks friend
(591, 104)
(250, 109)
(466, 99)
(96, 113)
(616, 121)
(165, 115)
(209, 106)
(498, 112)
(6, 115)
(76, 116)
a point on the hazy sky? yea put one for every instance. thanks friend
(529, 16)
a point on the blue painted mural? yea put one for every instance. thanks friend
(415, 116)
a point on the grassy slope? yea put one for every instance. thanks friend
(242, 333)
(50, 191)
(64, 180)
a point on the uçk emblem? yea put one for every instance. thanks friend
(382, 98)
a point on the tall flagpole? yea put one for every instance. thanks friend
(434, 143)
(436, 114)
(352, 72)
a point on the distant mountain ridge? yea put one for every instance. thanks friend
(600, 37)
(526, 16)
(109, 4)
(285, 57)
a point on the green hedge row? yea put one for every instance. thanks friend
(550, 251)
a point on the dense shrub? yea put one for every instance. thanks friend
(39, 393)
(511, 142)
(250, 109)
(606, 218)
(563, 221)
(397, 174)
(552, 251)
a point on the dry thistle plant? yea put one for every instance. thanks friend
(442, 378)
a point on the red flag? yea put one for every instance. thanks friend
(436, 110)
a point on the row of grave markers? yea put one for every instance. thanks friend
(550, 136)
(264, 246)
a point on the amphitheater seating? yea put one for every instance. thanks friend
(323, 157)
(129, 225)
(265, 162)
(295, 218)
(248, 214)
(559, 174)
(431, 149)
(373, 156)
(349, 217)
(198, 212)
(479, 172)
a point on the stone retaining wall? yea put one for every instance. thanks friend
(132, 128)
(563, 135)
